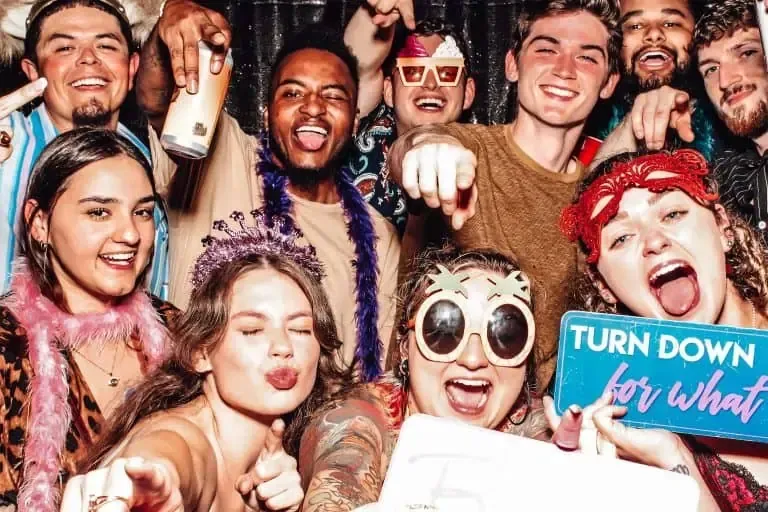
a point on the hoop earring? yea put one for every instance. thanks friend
(403, 371)
(521, 420)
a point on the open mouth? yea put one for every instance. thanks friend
(676, 287)
(430, 104)
(90, 83)
(559, 92)
(468, 396)
(655, 59)
(311, 137)
(121, 260)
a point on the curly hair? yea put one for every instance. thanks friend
(746, 260)
(721, 19)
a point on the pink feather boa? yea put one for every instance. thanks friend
(49, 331)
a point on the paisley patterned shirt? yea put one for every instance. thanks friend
(368, 166)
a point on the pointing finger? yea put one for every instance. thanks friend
(20, 97)
(273, 443)
(446, 179)
(410, 176)
(428, 174)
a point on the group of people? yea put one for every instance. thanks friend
(250, 330)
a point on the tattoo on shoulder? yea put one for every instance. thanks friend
(347, 470)
(681, 468)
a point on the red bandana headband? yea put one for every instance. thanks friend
(686, 166)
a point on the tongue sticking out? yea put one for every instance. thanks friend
(310, 140)
(678, 296)
(466, 399)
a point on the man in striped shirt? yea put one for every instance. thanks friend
(85, 51)
(732, 62)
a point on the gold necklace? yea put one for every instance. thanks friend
(754, 315)
(113, 381)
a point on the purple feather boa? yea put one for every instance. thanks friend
(361, 234)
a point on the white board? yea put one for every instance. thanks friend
(443, 465)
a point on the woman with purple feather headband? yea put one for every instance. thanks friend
(218, 426)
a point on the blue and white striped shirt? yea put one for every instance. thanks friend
(30, 135)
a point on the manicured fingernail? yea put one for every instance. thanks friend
(566, 436)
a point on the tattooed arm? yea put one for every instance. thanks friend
(534, 426)
(344, 456)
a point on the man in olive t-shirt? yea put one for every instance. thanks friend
(503, 187)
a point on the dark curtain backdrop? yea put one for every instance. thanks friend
(260, 27)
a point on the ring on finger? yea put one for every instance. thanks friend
(5, 139)
(96, 502)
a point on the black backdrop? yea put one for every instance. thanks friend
(260, 27)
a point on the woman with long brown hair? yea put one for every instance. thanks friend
(77, 329)
(216, 427)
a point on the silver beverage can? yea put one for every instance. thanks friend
(191, 119)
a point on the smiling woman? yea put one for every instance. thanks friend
(465, 344)
(77, 331)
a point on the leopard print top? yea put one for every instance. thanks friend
(15, 375)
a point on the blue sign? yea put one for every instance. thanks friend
(692, 378)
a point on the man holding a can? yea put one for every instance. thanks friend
(293, 169)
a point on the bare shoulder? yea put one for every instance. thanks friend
(169, 436)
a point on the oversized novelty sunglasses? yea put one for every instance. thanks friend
(443, 327)
(414, 70)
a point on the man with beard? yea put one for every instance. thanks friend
(659, 88)
(291, 171)
(731, 60)
(408, 78)
(81, 57)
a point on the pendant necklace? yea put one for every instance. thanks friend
(113, 381)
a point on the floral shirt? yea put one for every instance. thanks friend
(368, 166)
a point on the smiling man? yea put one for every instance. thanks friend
(731, 60)
(291, 172)
(408, 78)
(659, 86)
(85, 52)
(656, 42)
(517, 177)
